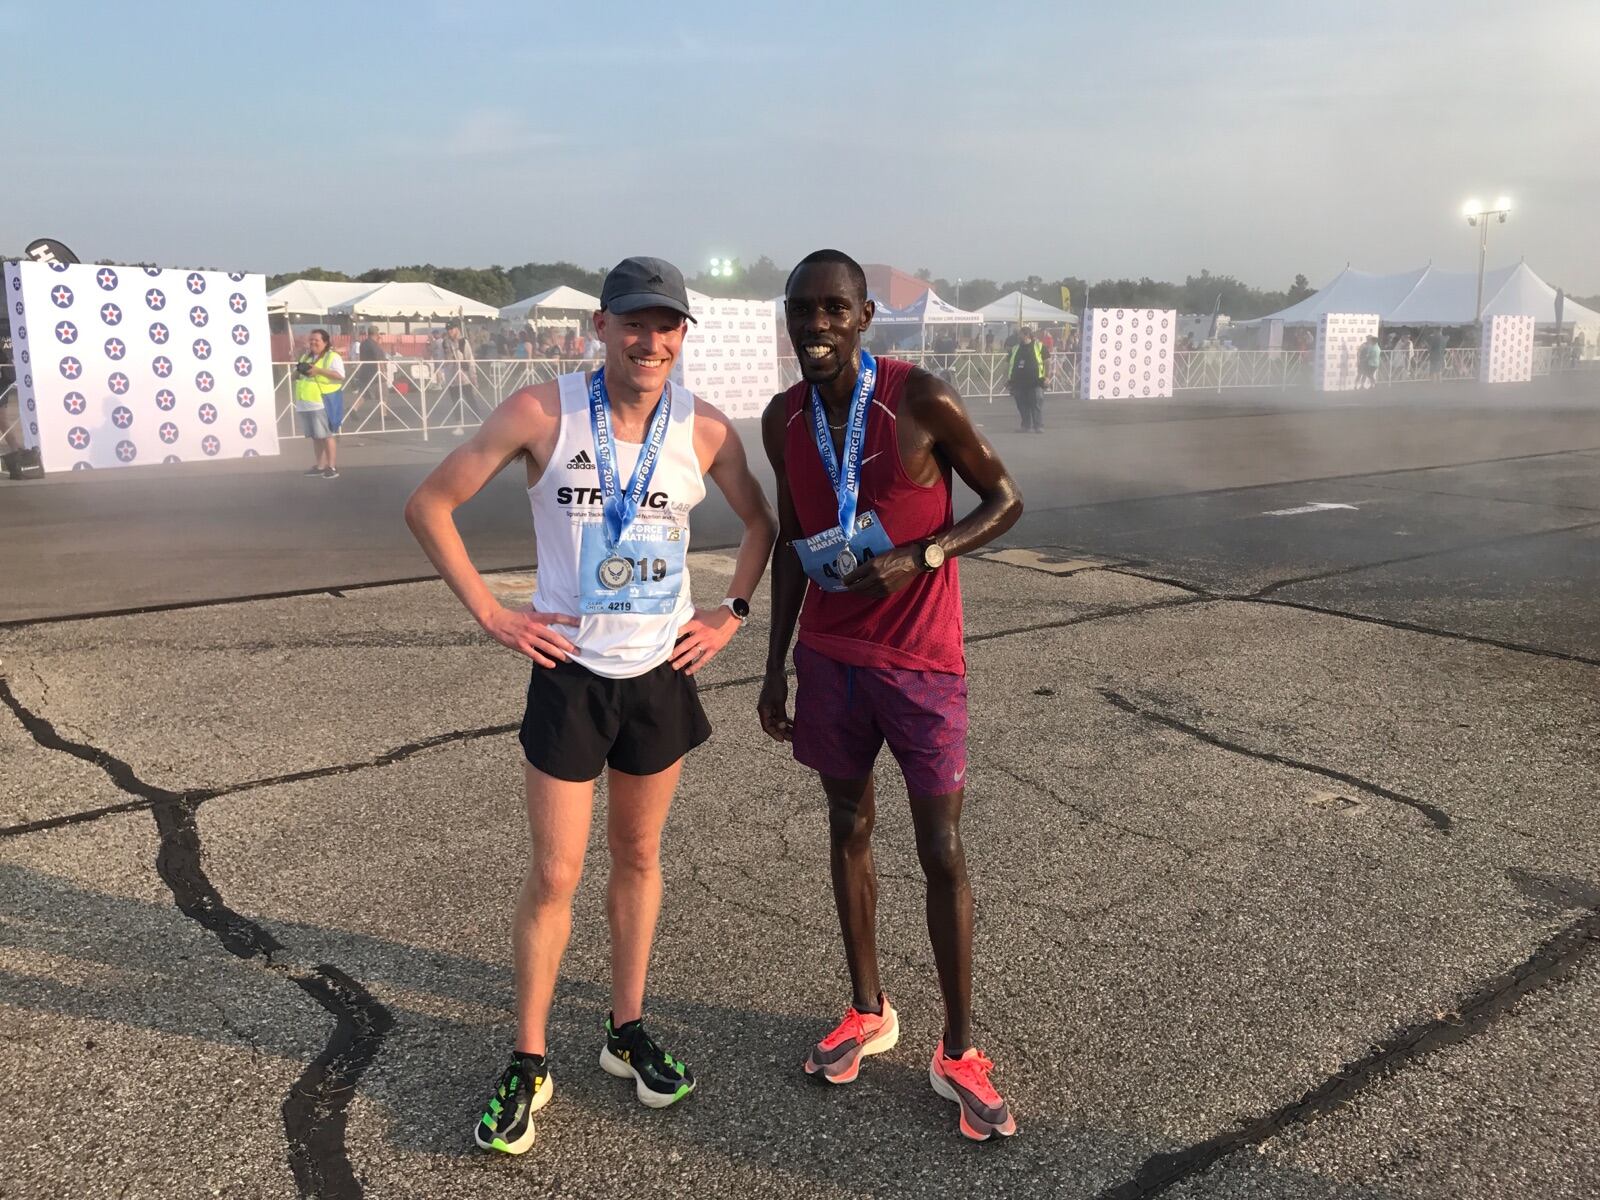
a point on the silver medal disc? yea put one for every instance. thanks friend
(846, 562)
(615, 572)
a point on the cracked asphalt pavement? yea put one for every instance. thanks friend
(1282, 828)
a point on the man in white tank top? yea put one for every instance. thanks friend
(614, 461)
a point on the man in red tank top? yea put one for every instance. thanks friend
(863, 450)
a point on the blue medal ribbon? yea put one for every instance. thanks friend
(619, 509)
(846, 480)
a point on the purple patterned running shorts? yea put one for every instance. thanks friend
(844, 714)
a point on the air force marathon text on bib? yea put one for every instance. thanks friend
(831, 555)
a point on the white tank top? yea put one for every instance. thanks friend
(567, 497)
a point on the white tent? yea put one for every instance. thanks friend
(563, 300)
(927, 309)
(1005, 310)
(314, 297)
(413, 301)
(1429, 296)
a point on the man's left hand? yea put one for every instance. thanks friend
(702, 638)
(885, 574)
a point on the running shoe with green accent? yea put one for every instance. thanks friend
(965, 1080)
(631, 1053)
(507, 1122)
(837, 1057)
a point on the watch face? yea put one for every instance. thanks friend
(741, 608)
(933, 556)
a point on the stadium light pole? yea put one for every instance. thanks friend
(1477, 214)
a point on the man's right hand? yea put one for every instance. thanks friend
(531, 633)
(773, 707)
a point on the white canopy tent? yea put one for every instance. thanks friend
(314, 297)
(558, 302)
(411, 301)
(1014, 307)
(927, 309)
(1429, 296)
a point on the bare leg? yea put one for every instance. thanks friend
(634, 819)
(944, 866)
(852, 809)
(558, 826)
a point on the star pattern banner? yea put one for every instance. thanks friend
(126, 366)
(1339, 337)
(730, 355)
(1127, 352)
(1505, 353)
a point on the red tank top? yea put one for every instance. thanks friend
(919, 627)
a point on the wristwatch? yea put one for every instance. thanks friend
(930, 555)
(739, 608)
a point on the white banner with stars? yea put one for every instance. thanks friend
(127, 366)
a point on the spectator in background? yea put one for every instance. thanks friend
(1367, 358)
(1026, 375)
(319, 401)
(1436, 352)
(459, 375)
(368, 378)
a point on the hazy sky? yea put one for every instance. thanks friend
(976, 139)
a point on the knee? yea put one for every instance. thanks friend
(849, 826)
(639, 856)
(944, 861)
(552, 880)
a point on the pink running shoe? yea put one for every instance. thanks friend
(837, 1057)
(966, 1081)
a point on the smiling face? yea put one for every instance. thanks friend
(641, 346)
(826, 312)
(318, 344)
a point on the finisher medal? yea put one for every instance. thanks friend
(846, 562)
(614, 572)
(620, 504)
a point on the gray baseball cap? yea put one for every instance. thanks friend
(638, 282)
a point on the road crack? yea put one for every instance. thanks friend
(316, 1109)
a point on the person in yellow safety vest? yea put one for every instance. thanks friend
(1026, 373)
(319, 401)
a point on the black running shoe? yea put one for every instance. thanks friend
(507, 1122)
(630, 1053)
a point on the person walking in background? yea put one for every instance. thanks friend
(1026, 372)
(460, 373)
(370, 376)
(1367, 358)
(319, 401)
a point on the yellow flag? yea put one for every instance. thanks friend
(1066, 297)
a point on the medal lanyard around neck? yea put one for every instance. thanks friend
(620, 509)
(846, 481)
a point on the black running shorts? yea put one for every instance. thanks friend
(578, 722)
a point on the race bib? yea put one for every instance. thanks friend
(643, 574)
(827, 558)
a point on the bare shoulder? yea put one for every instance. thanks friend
(529, 420)
(930, 399)
(540, 402)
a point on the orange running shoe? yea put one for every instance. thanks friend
(837, 1057)
(966, 1081)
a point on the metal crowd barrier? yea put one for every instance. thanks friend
(412, 396)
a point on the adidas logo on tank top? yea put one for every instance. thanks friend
(580, 462)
